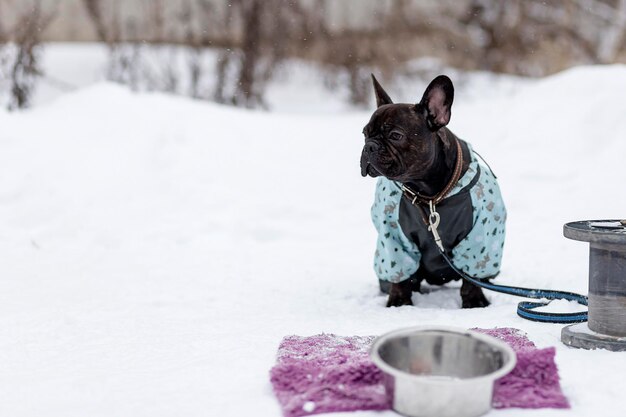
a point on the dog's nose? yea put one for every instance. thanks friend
(372, 146)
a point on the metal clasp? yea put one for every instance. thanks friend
(433, 221)
(410, 193)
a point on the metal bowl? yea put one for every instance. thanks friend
(441, 371)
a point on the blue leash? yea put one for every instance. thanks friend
(525, 309)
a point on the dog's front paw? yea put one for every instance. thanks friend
(476, 302)
(472, 296)
(400, 295)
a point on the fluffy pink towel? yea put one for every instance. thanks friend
(328, 373)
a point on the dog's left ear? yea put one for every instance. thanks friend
(381, 95)
(437, 101)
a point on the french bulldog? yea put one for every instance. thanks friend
(409, 145)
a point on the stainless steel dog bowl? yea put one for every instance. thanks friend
(441, 371)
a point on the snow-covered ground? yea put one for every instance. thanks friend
(156, 249)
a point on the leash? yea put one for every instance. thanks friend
(525, 309)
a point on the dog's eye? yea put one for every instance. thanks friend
(396, 136)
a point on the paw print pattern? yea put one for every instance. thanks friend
(480, 253)
(396, 257)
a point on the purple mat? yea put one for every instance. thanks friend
(328, 373)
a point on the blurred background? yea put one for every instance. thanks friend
(234, 51)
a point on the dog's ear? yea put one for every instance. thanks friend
(437, 101)
(381, 96)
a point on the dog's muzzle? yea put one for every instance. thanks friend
(369, 150)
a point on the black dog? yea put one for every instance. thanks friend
(425, 174)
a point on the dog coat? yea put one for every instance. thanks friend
(472, 229)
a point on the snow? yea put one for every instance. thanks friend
(309, 406)
(561, 306)
(156, 249)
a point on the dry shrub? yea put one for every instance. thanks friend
(20, 52)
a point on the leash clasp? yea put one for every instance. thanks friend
(433, 220)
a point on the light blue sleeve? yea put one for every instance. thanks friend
(396, 257)
(479, 254)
